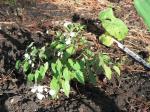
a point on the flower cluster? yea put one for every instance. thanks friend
(42, 91)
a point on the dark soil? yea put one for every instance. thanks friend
(28, 22)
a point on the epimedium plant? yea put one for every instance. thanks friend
(68, 57)
(114, 27)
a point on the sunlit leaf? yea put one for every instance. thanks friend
(59, 66)
(66, 74)
(77, 66)
(106, 14)
(36, 75)
(66, 87)
(17, 64)
(106, 40)
(70, 50)
(107, 71)
(71, 63)
(30, 77)
(54, 85)
(60, 46)
(26, 66)
(43, 70)
(79, 76)
(117, 70)
(116, 28)
(53, 67)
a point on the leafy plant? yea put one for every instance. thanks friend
(114, 27)
(68, 57)
(33, 63)
(143, 7)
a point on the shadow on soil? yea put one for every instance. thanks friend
(99, 98)
(3, 99)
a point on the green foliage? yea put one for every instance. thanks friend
(106, 39)
(36, 73)
(143, 7)
(68, 57)
(113, 26)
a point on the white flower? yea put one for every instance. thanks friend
(45, 89)
(32, 65)
(60, 54)
(27, 56)
(34, 89)
(47, 31)
(40, 89)
(12, 100)
(40, 96)
(72, 34)
(30, 61)
(68, 41)
(67, 23)
(65, 34)
(61, 90)
(52, 92)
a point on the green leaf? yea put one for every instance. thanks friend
(30, 77)
(106, 14)
(72, 75)
(76, 66)
(66, 74)
(117, 70)
(70, 50)
(116, 28)
(42, 53)
(103, 59)
(66, 87)
(106, 40)
(53, 44)
(54, 85)
(53, 67)
(107, 71)
(43, 70)
(92, 78)
(79, 76)
(59, 66)
(60, 46)
(18, 64)
(89, 52)
(26, 66)
(71, 63)
(36, 75)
